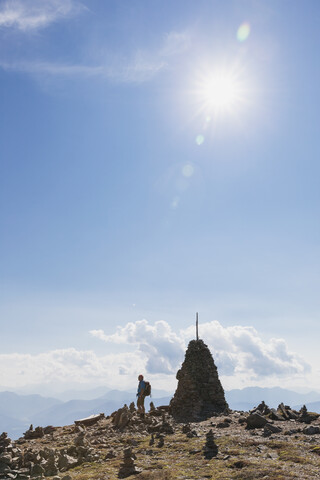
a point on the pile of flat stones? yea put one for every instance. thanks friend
(264, 417)
(128, 467)
(23, 464)
(199, 394)
(128, 419)
(210, 448)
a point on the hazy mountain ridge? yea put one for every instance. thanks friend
(249, 397)
(17, 412)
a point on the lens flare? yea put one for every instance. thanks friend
(243, 32)
(187, 170)
(199, 139)
(175, 202)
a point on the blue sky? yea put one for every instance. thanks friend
(129, 201)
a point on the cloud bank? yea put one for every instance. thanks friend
(237, 350)
(161, 348)
(240, 354)
(66, 366)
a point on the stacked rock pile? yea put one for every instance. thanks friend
(283, 413)
(128, 419)
(199, 394)
(34, 463)
(264, 417)
(128, 467)
(210, 449)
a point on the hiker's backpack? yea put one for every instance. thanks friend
(147, 389)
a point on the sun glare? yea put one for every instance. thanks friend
(222, 90)
(219, 92)
(221, 96)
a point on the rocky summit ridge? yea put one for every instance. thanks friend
(274, 444)
(197, 436)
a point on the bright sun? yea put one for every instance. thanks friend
(219, 92)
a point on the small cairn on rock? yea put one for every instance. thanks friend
(286, 412)
(51, 467)
(5, 454)
(165, 426)
(210, 449)
(121, 418)
(262, 408)
(80, 440)
(199, 394)
(187, 430)
(128, 467)
(305, 416)
(31, 433)
(160, 436)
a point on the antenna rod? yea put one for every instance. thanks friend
(197, 326)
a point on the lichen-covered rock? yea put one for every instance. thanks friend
(269, 429)
(66, 461)
(37, 471)
(50, 466)
(311, 430)
(255, 420)
(199, 394)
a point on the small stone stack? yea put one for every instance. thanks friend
(51, 467)
(199, 393)
(121, 418)
(210, 449)
(31, 433)
(5, 455)
(128, 467)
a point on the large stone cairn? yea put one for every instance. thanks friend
(199, 393)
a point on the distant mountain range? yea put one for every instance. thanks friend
(249, 397)
(17, 412)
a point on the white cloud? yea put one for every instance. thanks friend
(138, 67)
(243, 358)
(135, 70)
(175, 43)
(240, 350)
(27, 15)
(67, 366)
(237, 350)
(161, 348)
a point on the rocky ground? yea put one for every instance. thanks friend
(263, 444)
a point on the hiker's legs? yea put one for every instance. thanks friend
(140, 404)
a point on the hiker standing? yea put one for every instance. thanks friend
(141, 395)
